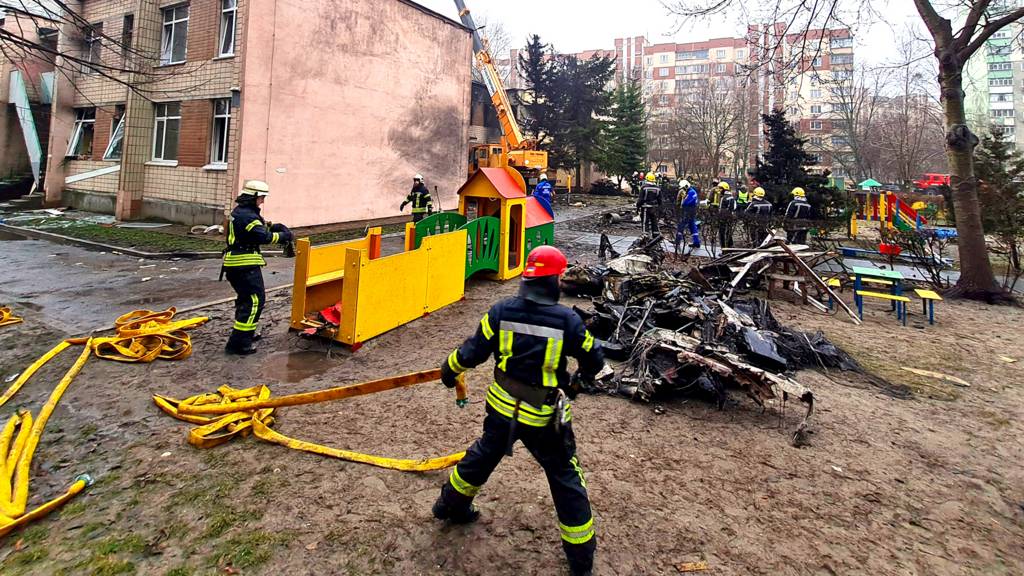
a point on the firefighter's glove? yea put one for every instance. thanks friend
(578, 383)
(402, 207)
(448, 376)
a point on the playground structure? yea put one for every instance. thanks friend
(348, 292)
(886, 208)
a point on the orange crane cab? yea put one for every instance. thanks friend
(513, 151)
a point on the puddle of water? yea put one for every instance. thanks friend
(294, 367)
(10, 236)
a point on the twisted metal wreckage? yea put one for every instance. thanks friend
(691, 334)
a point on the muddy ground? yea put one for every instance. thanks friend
(927, 485)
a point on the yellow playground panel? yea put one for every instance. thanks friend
(367, 294)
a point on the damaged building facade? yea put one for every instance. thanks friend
(186, 100)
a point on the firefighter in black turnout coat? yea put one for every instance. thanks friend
(247, 230)
(529, 336)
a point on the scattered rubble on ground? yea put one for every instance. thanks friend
(692, 334)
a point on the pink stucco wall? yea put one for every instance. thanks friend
(344, 100)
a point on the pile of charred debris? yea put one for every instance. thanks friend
(692, 334)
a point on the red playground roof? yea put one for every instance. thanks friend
(500, 180)
(536, 215)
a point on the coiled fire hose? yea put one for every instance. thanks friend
(7, 317)
(231, 412)
(141, 336)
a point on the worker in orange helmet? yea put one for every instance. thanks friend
(530, 337)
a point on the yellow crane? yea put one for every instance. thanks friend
(514, 150)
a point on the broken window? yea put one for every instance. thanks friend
(167, 125)
(82, 133)
(91, 46)
(113, 151)
(175, 35)
(220, 132)
(228, 10)
(127, 37)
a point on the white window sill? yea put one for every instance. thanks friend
(216, 167)
(168, 64)
(168, 163)
(224, 57)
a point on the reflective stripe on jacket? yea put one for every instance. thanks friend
(246, 232)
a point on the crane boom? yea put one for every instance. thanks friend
(495, 87)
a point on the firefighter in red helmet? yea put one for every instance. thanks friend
(530, 336)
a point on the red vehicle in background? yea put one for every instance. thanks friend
(931, 181)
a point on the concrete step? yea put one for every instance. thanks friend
(27, 202)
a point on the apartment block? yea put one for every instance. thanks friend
(768, 68)
(994, 86)
(186, 100)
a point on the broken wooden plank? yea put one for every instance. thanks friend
(821, 283)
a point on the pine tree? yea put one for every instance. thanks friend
(784, 164)
(624, 141)
(580, 101)
(539, 74)
(1000, 171)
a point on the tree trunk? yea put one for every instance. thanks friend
(976, 278)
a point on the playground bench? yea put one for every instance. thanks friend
(928, 299)
(325, 278)
(899, 301)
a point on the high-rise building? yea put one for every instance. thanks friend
(769, 68)
(993, 85)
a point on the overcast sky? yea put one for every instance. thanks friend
(577, 25)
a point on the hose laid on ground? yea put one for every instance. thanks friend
(7, 317)
(231, 412)
(142, 336)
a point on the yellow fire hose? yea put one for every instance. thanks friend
(231, 412)
(142, 336)
(7, 317)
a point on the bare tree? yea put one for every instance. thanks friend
(708, 116)
(910, 133)
(953, 47)
(856, 103)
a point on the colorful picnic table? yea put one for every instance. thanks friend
(896, 278)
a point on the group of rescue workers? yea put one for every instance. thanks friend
(753, 207)
(530, 336)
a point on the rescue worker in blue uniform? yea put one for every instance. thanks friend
(543, 193)
(529, 336)
(688, 199)
(797, 214)
(420, 198)
(247, 230)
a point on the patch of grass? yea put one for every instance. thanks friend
(132, 543)
(179, 571)
(342, 235)
(26, 557)
(34, 534)
(72, 510)
(108, 567)
(263, 487)
(248, 550)
(151, 240)
(222, 521)
(92, 528)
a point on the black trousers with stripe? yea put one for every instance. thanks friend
(556, 453)
(247, 282)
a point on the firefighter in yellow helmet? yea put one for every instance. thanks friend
(797, 214)
(759, 211)
(648, 205)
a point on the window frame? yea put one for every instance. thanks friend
(233, 10)
(720, 53)
(127, 36)
(92, 48)
(116, 135)
(77, 130)
(157, 119)
(813, 106)
(214, 145)
(816, 122)
(167, 39)
(720, 68)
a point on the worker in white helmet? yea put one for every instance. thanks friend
(419, 197)
(243, 263)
